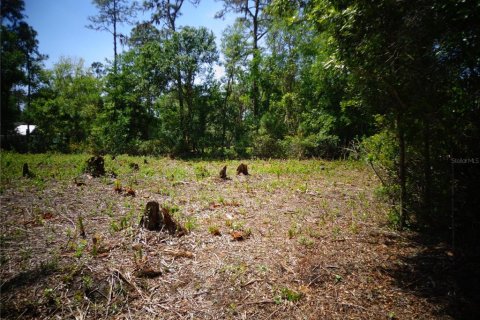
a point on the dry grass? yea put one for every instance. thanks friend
(315, 245)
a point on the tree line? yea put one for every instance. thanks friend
(394, 82)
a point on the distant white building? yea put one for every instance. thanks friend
(22, 129)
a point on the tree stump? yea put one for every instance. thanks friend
(152, 219)
(26, 173)
(171, 225)
(155, 219)
(96, 166)
(242, 168)
(223, 173)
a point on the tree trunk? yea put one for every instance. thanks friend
(224, 113)
(255, 71)
(427, 169)
(115, 37)
(29, 95)
(181, 106)
(402, 171)
(189, 97)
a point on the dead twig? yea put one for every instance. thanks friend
(259, 302)
(124, 279)
(352, 305)
(250, 282)
(274, 311)
(110, 292)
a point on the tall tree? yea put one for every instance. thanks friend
(193, 52)
(183, 43)
(235, 49)
(166, 12)
(20, 62)
(254, 14)
(112, 14)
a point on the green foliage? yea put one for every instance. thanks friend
(66, 108)
(306, 241)
(288, 294)
(214, 230)
(80, 248)
(381, 151)
(265, 146)
(20, 64)
(190, 223)
(201, 171)
(414, 69)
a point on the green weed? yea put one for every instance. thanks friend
(306, 241)
(51, 297)
(190, 223)
(338, 278)
(293, 231)
(201, 171)
(287, 294)
(87, 282)
(336, 231)
(314, 233)
(214, 230)
(80, 248)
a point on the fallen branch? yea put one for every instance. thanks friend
(352, 305)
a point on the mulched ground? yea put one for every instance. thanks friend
(309, 241)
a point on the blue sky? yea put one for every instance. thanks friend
(60, 25)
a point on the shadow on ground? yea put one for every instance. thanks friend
(450, 280)
(29, 277)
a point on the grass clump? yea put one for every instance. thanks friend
(201, 172)
(191, 223)
(287, 294)
(214, 230)
(306, 241)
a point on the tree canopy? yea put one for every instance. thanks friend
(20, 62)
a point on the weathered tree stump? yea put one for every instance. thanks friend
(242, 168)
(155, 219)
(26, 173)
(223, 173)
(96, 166)
(152, 219)
(171, 225)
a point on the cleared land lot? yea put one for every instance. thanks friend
(315, 243)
